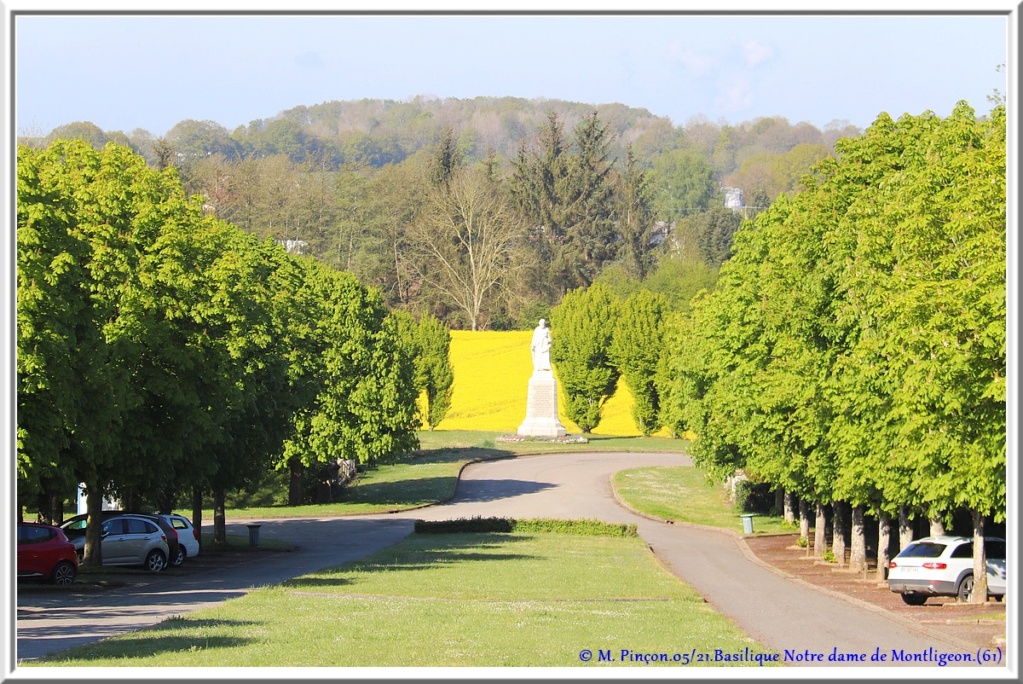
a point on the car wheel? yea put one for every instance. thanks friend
(914, 599)
(179, 558)
(965, 589)
(156, 561)
(64, 574)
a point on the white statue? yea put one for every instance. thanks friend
(541, 347)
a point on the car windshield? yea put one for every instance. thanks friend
(74, 529)
(923, 550)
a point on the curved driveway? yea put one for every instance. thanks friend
(777, 612)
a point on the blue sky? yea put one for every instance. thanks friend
(150, 72)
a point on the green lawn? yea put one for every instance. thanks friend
(684, 494)
(531, 600)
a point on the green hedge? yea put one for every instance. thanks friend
(753, 497)
(594, 528)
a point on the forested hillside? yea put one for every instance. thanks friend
(486, 211)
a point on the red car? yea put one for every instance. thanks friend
(44, 551)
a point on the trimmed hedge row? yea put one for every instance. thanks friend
(594, 528)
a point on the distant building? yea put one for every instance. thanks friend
(733, 198)
(660, 233)
(83, 502)
(294, 246)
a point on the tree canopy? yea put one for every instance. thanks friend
(853, 350)
(163, 352)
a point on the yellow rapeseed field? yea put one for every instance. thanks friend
(492, 372)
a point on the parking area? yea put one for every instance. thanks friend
(983, 625)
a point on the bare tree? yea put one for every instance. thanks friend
(464, 241)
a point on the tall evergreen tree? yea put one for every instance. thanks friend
(591, 239)
(635, 219)
(446, 159)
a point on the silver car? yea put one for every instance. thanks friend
(129, 540)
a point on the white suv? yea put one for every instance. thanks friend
(943, 566)
(188, 536)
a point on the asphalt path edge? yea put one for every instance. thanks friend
(752, 557)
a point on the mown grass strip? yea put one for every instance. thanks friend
(685, 494)
(479, 600)
(591, 528)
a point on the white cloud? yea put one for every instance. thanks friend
(734, 96)
(756, 52)
(693, 62)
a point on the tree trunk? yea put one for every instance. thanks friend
(820, 542)
(779, 499)
(56, 508)
(788, 508)
(905, 528)
(94, 524)
(804, 523)
(42, 508)
(50, 504)
(165, 501)
(295, 484)
(219, 517)
(937, 525)
(858, 542)
(979, 561)
(197, 512)
(838, 537)
(884, 528)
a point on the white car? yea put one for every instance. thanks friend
(188, 537)
(943, 566)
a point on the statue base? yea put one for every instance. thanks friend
(542, 407)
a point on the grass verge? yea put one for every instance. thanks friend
(685, 494)
(476, 599)
(240, 542)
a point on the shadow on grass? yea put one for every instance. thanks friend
(402, 493)
(438, 489)
(454, 454)
(419, 491)
(156, 640)
(420, 553)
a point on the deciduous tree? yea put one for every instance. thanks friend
(581, 332)
(636, 348)
(465, 239)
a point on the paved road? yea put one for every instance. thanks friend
(778, 613)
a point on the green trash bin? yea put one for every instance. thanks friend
(254, 534)
(747, 523)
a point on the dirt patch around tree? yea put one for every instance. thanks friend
(981, 625)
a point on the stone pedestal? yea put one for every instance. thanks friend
(542, 407)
